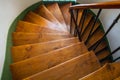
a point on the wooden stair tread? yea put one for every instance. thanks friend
(44, 12)
(80, 12)
(66, 14)
(87, 31)
(95, 37)
(42, 62)
(27, 51)
(102, 45)
(117, 78)
(37, 19)
(24, 26)
(107, 72)
(103, 54)
(69, 70)
(87, 20)
(55, 10)
(21, 38)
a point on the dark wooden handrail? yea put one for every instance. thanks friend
(102, 5)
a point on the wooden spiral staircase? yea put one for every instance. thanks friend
(56, 42)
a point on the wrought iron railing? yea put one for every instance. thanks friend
(78, 28)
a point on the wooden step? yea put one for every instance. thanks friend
(95, 37)
(42, 62)
(101, 46)
(107, 72)
(69, 70)
(66, 14)
(44, 12)
(87, 21)
(37, 19)
(79, 19)
(21, 38)
(117, 78)
(55, 10)
(80, 12)
(86, 32)
(102, 51)
(24, 26)
(103, 54)
(27, 51)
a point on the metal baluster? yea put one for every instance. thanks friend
(116, 59)
(98, 14)
(73, 17)
(86, 27)
(75, 32)
(107, 57)
(99, 41)
(71, 23)
(82, 21)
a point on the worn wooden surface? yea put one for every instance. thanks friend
(103, 54)
(42, 62)
(37, 19)
(24, 26)
(66, 13)
(95, 37)
(21, 38)
(80, 14)
(107, 72)
(102, 45)
(27, 51)
(55, 10)
(44, 50)
(101, 74)
(70, 70)
(88, 29)
(44, 12)
(87, 21)
(117, 78)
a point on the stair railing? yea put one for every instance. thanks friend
(85, 7)
(109, 56)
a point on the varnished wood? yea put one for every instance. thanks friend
(44, 12)
(87, 21)
(70, 70)
(42, 62)
(102, 45)
(66, 13)
(21, 38)
(28, 27)
(88, 28)
(101, 5)
(80, 12)
(117, 78)
(37, 19)
(107, 72)
(95, 37)
(115, 69)
(100, 74)
(103, 54)
(27, 51)
(55, 10)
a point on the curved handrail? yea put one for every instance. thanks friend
(102, 5)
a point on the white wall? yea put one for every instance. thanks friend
(107, 17)
(9, 10)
